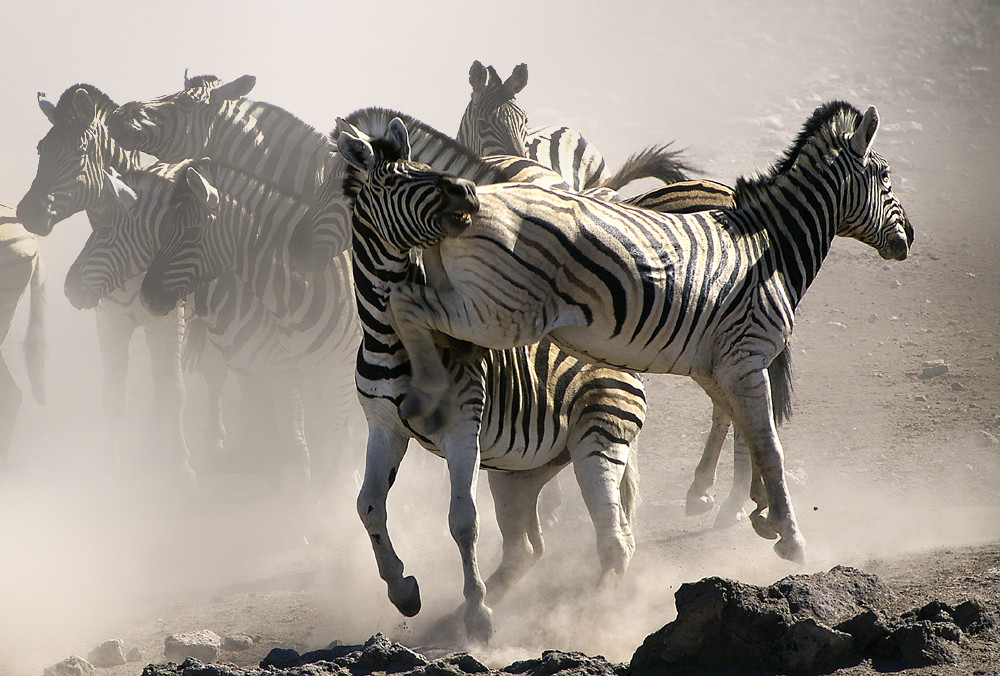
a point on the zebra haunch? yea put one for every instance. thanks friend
(710, 295)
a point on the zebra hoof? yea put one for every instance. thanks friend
(762, 527)
(791, 549)
(406, 596)
(727, 518)
(698, 504)
(479, 624)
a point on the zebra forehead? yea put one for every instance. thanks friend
(209, 81)
(65, 109)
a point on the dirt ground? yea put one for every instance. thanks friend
(890, 471)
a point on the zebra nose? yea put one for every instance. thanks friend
(458, 194)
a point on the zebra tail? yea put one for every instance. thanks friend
(628, 489)
(654, 162)
(35, 339)
(780, 375)
(195, 340)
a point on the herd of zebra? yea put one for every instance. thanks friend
(490, 296)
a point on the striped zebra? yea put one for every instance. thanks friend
(72, 157)
(317, 319)
(312, 243)
(710, 295)
(20, 270)
(523, 414)
(495, 124)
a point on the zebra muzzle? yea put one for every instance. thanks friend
(458, 204)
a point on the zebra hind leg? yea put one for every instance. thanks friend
(731, 510)
(515, 497)
(699, 500)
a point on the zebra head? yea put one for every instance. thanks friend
(494, 123)
(122, 243)
(187, 256)
(72, 157)
(175, 127)
(872, 213)
(408, 204)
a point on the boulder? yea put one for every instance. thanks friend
(202, 645)
(108, 654)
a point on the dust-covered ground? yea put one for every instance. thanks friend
(891, 472)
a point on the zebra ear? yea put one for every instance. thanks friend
(84, 107)
(47, 107)
(238, 88)
(515, 83)
(187, 80)
(356, 152)
(124, 195)
(399, 134)
(204, 190)
(861, 139)
(345, 127)
(478, 77)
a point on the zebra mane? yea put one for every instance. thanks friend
(827, 123)
(427, 145)
(202, 81)
(102, 102)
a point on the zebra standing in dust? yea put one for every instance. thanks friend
(20, 269)
(495, 124)
(710, 295)
(72, 157)
(211, 118)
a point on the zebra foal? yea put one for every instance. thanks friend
(710, 295)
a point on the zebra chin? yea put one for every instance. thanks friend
(82, 298)
(897, 249)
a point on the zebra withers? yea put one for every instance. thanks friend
(710, 295)
(495, 124)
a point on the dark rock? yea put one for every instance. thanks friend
(919, 644)
(973, 617)
(566, 663)
(453, 665)
(281, 658)
(381, 654)
(800, 623)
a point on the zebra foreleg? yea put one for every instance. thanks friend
(384, 453)
(699, 500)
(461, 450)
(164, 337)
(515, 499)
(114, 332)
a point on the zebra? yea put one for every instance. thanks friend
(20, 270)
(710, 295)
(71, 159)
(495, 124)
(317, 319)
(523, 414)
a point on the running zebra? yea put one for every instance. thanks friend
(20, 270)
(72, 158)
(495, 124)
(710, 295)
(523, 414)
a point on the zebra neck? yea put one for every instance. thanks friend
(376, 271)
(799, 212)
(271, 142)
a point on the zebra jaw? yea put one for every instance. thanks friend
(458, 205)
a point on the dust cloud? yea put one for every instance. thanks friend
(880, 462)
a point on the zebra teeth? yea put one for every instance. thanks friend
(454, 223)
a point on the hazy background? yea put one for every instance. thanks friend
(83, 560)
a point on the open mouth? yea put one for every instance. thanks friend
(455, 222)
(459, 204)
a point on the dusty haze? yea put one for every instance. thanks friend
(880, 462)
